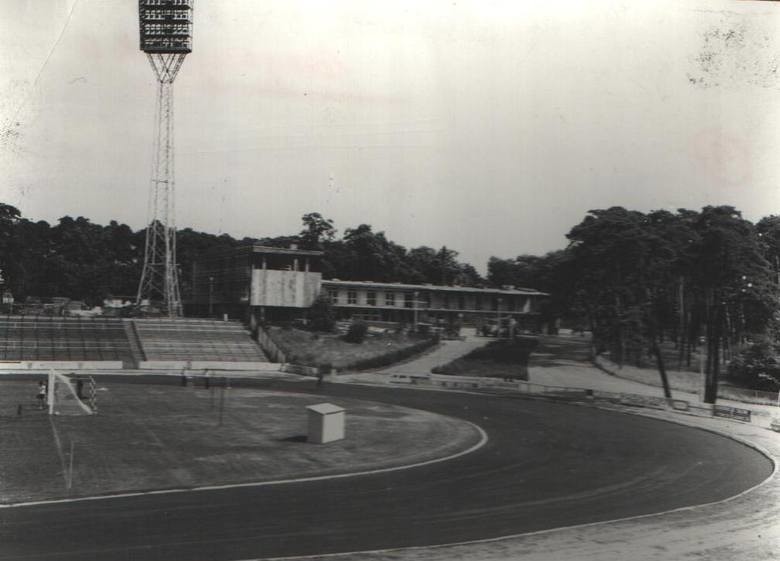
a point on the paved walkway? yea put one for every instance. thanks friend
(564, 361)
(550, 370)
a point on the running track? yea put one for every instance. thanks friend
(546, 465)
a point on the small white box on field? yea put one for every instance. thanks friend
(326, 423)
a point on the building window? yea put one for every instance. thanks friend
(351, 297)
(371, 298)
(478, 303)
(445, 302)
(334, 296)
(461, 303)
(408, 300)
(389, 298)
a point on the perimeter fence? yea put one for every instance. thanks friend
(575, 394)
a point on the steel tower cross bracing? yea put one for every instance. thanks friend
(166, 38)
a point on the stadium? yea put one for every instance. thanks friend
(308, 397)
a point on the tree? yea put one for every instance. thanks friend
(321, 314)
(737, 288)
(644, 277)
(316, 231)
(9, 217)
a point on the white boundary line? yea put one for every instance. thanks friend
(738, 439)
(753, 445)
(483, 439)
(482, 442)
(58, 442)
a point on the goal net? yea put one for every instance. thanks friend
(63, 398)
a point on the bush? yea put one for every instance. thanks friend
(392, 356)
(747, 368)
(321, 314)
(503, 359)
(509, 351)
(324, 368)
(357, 332)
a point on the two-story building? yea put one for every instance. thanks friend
(261, 283)
(413, 303)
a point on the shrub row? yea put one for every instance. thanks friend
(393, 356)
(514, 352)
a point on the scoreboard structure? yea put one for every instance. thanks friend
(166, 26)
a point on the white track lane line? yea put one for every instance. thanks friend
(397, 550)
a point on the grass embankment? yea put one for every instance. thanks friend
(162, 437)
(318, 349)
(559, 350)
(498, 359)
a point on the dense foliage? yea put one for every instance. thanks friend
(636, 280)
(356, 333)
(81, 260)
(705, 281)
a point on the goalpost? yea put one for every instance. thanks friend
(63, 399)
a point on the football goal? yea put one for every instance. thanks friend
(63, 398)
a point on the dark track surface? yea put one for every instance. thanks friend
(546, 465)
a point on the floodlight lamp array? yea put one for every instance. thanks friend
(165, 26)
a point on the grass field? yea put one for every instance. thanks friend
(160, 437)
(313, 349)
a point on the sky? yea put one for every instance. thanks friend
(491, 127)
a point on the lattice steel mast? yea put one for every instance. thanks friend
(166, 38)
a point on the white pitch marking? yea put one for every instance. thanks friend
(482, 441)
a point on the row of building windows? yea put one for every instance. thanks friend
(424, 301)
(371, 299)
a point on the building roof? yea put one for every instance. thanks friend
(258, 248)
(434, 287)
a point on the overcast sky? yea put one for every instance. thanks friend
(489, 127)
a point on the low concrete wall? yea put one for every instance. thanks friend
(216, 365)
(590, 395)
(62, 365)
(299, 369)
(205, 365)
(270, 348)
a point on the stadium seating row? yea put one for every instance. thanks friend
(48, 338)
(41, 338)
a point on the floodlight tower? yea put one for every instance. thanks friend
(166, 38)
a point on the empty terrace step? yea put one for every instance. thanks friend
(50, 338)
(188, 339)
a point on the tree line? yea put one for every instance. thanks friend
(701, 282)
(90, 262)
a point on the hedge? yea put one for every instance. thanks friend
(392, 356)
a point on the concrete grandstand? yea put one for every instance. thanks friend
(118, 343)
